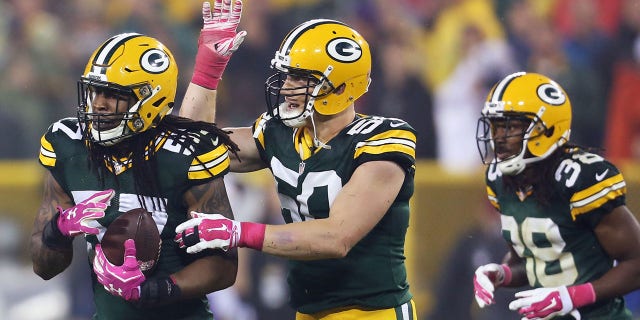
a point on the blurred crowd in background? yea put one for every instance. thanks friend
(434, 61)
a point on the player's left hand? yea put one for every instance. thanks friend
(546, 303)
(218, 40)
(219, 27)
(124, 280)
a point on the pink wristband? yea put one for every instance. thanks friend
(507, 274)
(252, 235)
(582, 294)
(210, 65)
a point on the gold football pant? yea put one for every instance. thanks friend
(406, 311)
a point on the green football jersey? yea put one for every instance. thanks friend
(180, 166)
(373, 274)
(557, 239)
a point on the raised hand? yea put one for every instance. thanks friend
(123, 281)
(218, 40)
(486, 279)
(220, 26)
(215, 231)
(547, 303)
(75, 220)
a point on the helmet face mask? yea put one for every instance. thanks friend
(136, 71)
(503, 139)
(526, 117)
(101, 124)
(316, 59)
(286, 86)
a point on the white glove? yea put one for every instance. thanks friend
(208, 231)
(486, 279)
(547, 303)
(215, 231)
(223, 21)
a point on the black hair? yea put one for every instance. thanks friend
(140, 152)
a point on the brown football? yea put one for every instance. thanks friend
(136, 224)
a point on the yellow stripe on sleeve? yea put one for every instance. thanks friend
(389, 141)
(492, 198)
(210, 164)
(258, 129)
(47, 155)
(597, 195)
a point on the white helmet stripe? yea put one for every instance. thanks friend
(108, 48)
(497, 94)
(295, 33)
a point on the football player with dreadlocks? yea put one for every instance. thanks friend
(124, 151)
(344, 179)
(563, 213)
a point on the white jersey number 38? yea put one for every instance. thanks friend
(523, 239)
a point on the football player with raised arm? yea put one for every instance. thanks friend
(344, 179)
(124, 150)
(563, 213)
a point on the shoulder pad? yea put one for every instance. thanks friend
(590, 180)
(378, 135)
(57, 137)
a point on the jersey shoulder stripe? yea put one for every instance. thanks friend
(259, 127)
(388, 141)
(596, 195)
(493, 199)
(210, 164)
(47, 154)
(376, 136)
(59, 135)
(592, 185)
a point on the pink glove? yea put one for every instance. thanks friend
(547, 303)
(218, 40)
(75, 220)
(214, 231)
(124, 280)
(486, 279)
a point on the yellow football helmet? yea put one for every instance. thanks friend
(330, 55)
(535, 100)
(127, 66)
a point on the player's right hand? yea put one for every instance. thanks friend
(75, 220)
(486, 279)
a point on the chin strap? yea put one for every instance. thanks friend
(316, 142)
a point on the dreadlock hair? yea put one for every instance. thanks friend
(540, 175)
(140, 150)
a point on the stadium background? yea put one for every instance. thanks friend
(423, 67)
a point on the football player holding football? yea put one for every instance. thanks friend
(344, 179)
(124, 150)
(572, 238)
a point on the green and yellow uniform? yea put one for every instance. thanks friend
(373, 273)
(180, 166)
(557, 239)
